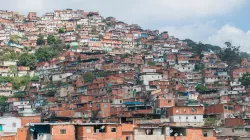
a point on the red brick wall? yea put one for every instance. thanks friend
(70, 132)
(31, 119)
(192, 134)
(82, 133)
(234, 122)
(215, 109)
(186, 110)
(162, 102)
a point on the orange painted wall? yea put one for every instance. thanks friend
(30, 119)
(70, 132)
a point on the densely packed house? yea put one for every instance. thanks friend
(115, 81)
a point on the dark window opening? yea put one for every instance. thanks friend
(99, 128)
(63, 131)
(204, 134)
(178, 131)
(113, 129)
(149, 131)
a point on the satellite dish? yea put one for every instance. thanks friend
(171, 130)
(176, 134)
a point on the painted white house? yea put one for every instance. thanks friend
(10, 124)
(147, 77)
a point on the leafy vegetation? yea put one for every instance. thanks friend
(28, 60)
(226, 54)
(199, 47)
(210, 121)
(45, 53)
(201, 88)
(3, 99)
(245, 55)
(245, 79)
(61, 30)
(126, 55)
(151, 63)
(199, 67)
(102, 73)
(9, 55)
(17, 82)
(88, 76)
(78, 27)
(51, 93)
(51, 39)
(40, 40)
(14, 39)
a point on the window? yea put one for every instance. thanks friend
(63, 131)
(204, 134)
(194, 117)
(186, 117)
(113, 129)
(169, 101)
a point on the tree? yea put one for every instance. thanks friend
(51, 39)
(45, 53)
(61, 30)
(13, 69)
(34, 78)
(14, 39)
(210, 121)
(28, 60)
(126, 55)
(40, 40)
(245, 55)
(151, 63)
(2, 100)
(245, 79)
(199, 67)
(93, 30)
(88, 77)
(51, 93)
(198, 48)
(78, 27)
(19, 82)
(200, 88)
(8, 54)
(230, 54)
(101, 36)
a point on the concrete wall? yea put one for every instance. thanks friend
(10, 124)
(149, 137)
(186, 118)
(150, 77)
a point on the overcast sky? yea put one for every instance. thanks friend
(209, 21)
